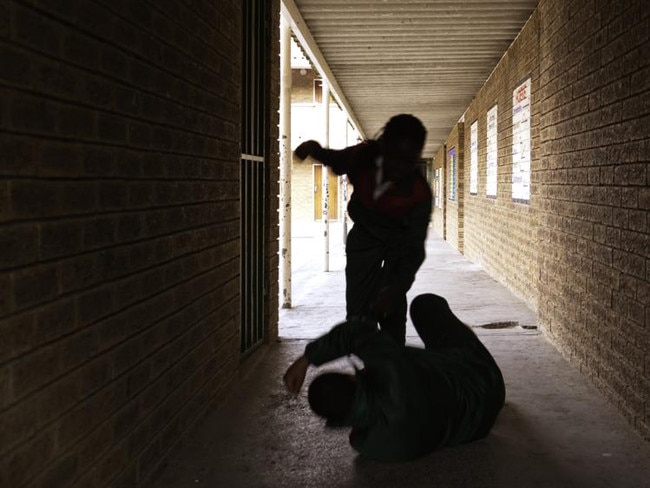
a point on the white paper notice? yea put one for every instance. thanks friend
(491, 158)
(521, 142)
(473, 159)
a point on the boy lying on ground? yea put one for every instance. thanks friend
(406, 401)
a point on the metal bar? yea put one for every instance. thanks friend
(250, 157)
(259, 251)
(252, 174)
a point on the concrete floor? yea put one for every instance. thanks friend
(555, 431)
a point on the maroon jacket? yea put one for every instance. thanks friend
(397, 219)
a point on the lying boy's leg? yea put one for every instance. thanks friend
(437, 325)
(440, 328)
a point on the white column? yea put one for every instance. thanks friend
(343, 206)
(325, 181)
(285, 164)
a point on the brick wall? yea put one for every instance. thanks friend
(454, 210)
(302, 86)
(501, 233)
(302, 194)
(578, 251)
(594, 193)
(119, 231)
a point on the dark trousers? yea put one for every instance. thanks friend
(367, 271)
(439, 328)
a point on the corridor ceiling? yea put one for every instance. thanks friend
(428, 58)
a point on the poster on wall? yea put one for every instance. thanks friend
(491, 154)
(438, 188)
(451, 157)
(473, 159)
(521, 142)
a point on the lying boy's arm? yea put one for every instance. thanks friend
(344, 339)
(295, 375)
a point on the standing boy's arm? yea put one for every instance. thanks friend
(337, 159)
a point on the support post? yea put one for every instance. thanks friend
(285, 163)
(325, 179)
(343, 206)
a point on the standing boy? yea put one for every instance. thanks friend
(391, 209)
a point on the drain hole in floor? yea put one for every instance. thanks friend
(499, 325)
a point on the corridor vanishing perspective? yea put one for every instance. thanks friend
(146, 193)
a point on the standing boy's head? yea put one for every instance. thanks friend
(402, 141)
(331, 396)
(405, 127)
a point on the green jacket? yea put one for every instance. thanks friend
(410, 401)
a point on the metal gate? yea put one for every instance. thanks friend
(253, 171)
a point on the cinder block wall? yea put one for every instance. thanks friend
(302, 172)
(578, 253)
(501, 234)
(454, 208)
(302, 195)
(119, 231)
(302, 86)
(594, 193)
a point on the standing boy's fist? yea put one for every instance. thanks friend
(306, 148)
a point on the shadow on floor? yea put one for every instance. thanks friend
(555, 431)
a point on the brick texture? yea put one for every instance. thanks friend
(302, 194)
(577, 252)
(119, 231)
(593, 244)
(455, 207)
(500, 233)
